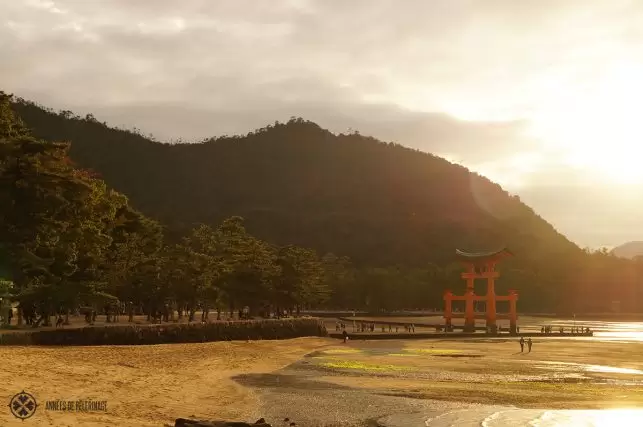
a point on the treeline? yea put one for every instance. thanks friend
(602, 282)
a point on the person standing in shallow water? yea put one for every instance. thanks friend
(522, 344)
(529, 344)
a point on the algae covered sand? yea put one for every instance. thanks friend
(564, 374)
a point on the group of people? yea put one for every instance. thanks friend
(578, 330)
(363, 327)
(575, 330)
(370, 327)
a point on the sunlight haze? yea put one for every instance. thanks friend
(543, 97)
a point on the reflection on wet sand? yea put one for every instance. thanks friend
(502, 417)
(548, 364)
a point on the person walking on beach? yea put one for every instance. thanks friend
(345, 335)
(522, 344)
(529, 343)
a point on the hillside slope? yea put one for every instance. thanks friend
(297, 183)
(378, 203)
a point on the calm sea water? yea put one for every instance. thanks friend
(496, 416)
(509, 417)
(610, 331)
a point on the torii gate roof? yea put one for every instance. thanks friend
(482, 256)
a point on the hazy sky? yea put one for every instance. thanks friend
(542, 96)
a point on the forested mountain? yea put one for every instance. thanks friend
(387, 207)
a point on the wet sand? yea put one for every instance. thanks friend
(467, 381)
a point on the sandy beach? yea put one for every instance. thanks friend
(320, 382)
(145, 385)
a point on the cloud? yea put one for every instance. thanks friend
(460, 78)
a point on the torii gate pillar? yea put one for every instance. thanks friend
(513, 314)
(482, 266)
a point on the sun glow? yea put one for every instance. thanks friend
(510, 172)
(588, 118)
(598, 126)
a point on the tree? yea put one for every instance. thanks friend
(47, 212)
(200, 260)
(55, 221)
(301, 280)
(132, 265)
(249, 265)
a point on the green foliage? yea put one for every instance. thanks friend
(249, 264)
(132, 261)
(302, 278)
(6, 288)
(55, 219)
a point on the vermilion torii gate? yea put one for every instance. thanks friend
(481, 266)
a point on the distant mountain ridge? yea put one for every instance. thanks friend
(629, 250)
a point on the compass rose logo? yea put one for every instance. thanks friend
(23, 405)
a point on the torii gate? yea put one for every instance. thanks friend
(481, 266)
